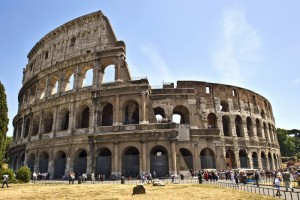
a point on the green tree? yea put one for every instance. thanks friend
(3, 122)
(7, 146)
(282, 136)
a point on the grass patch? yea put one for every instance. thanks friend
(121, 192)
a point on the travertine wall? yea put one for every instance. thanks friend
(69, 119)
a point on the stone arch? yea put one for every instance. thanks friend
(262, 114)
(22, 160)
(42, 89)
(53, 84)
(184, 114)
(264, 160)
(104, 163)
(160, 114)
(230, 159)
(48, 122)
(275, 161)
(60, 162)
(109, 73)
(270, 159)
(226, 125)
(249, 127)
(212, 120)
(131, 162)
(207, 158)
(85, 76)
(255, 160)
(43, 162)
(26, 127)
(31, 161)
(239, 126)
(187, 158)
(258, 128)
(107, 115)
(80, 162)
(271, 135)
(266, 131)
(35, 125)
(243, 158)
(64, 118)
(69, 78)
(224, 106)
(83, 117)
(15, 162)
(159, 161)
(131, 112)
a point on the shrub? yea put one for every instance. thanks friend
(10, 173)
(23, 174)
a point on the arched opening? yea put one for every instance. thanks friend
(266, 131)
(88, 78)
(80, 162)
(264, 160)
(36, 125)
(22, 160)
(249, 127)
(184, 114)
(239, 126)
(211, 120)
(275, 161)
(104, 163)
(262, 113)
(243, 159)
(30, 162)
(85, 120)
(15, 163)
(207, 158)
(66, 121)
(109, 74)
(226, 125)
(176, 118)
(60, 164)
(42, 88)
(230, 159)
(224, 106)
(26, 127)
(48, 122)
(69, 82)
(270, 161)
(160, 115)
(107, 115)
(132, 113)
(258, 128)
(271, 134)
(54, 88)
(187, 158)
(43, 162)
(255, 160)
(159, 162)
(131, 162)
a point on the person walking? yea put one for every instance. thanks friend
(277, 185)
(5, 180)
(256, 178)
(286, 176)
(200, 177)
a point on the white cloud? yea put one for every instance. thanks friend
(296, 81)
(238, 50)
(155, 66)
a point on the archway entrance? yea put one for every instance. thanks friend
(60, 164)
(230, 161)
(80, 163)
(43, 163)
(207, 158)
(188, 159)
(255, 160)
(159, 162)
(131, 162)
(243, 159)
(103, 163)
(30, 162)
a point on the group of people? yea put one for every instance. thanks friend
(286, 177)
(39, 176)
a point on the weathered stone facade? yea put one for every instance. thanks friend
(66, 124)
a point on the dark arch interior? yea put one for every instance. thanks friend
(132, 151)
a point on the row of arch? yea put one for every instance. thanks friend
(262, 130)
(159, 161)
(66, 81)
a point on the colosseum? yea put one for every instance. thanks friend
(71, 119)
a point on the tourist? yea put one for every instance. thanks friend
(232, 177)
(5, 180)
(286, 176)
(71, 177)
(277, 185)
(200, 177)
(256, 178)
(93, 177)
(34, 177)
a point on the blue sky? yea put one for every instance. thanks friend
(248, 43)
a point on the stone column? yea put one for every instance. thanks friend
(89, 164)
(173, 158)
(115, 164)
(76, 79)
(55, 121)
(46, 95)
(69, 165)
(51, 168)
(196, 156)
(144, 108)
(144, 157)
(117, 111)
